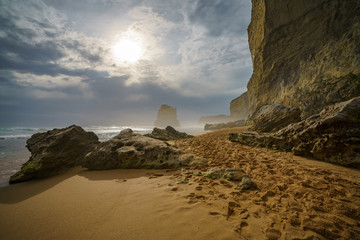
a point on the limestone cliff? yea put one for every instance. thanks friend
(305, 54)
(167, 117)
(239, 107)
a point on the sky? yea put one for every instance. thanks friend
(114, 62)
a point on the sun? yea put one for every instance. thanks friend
(128, 49)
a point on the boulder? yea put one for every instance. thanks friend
(273, 117)
(54, 151)
(265, 140)
(333, 135)
(217, 126)
(167, 117)
(131, 150)
(169, 133)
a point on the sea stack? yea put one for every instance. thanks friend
(167, 117)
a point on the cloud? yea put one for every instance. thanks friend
(181, 56)
(40, 94)
(48, 82)
(219, 17)
(195, 55)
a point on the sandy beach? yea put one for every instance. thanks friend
(297, 198)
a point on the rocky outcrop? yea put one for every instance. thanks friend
(131, 150)
(54, 151)
(239, 107)
(218, 126)
(273, 117)
(333, 135)
(169, 133)
(214, 119)
(167, 117)
(305, 54)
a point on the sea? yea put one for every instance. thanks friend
(13, 151)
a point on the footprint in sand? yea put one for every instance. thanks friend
(201, 197)
(192, 201)
(244, 214)
(191, 195)
(273, 234)
(214, 213)
(241, 226)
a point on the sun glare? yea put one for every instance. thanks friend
(128, 49)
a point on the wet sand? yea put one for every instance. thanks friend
(297, 198)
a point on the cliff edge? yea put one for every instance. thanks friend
(305, 54)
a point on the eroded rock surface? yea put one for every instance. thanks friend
(217, 126)
(305, 54)
(333, 135)
(169, 133)
(273, 117)
(54, 151)
(131, 150)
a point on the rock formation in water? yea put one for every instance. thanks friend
(273, 117)
(167, 117)
(305, 54)
(131, 150)
(169, 133)
(333, 135)
(54, 151)
(214, 119)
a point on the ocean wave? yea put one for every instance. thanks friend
(23, 129)
(19, 136)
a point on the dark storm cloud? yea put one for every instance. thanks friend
(37, 42)
(222, 17)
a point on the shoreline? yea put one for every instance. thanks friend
(112, 204)
(296, 197)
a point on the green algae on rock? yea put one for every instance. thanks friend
(54, 151)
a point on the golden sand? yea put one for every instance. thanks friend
(296, 198)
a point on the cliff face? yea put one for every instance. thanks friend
(239, 107)
(305, 54)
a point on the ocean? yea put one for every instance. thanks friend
(13, 151)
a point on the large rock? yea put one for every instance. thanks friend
(218, 126)
(273, 117)
(333, 135)
(130, 150)
(167, 117)
(305, 54)
(54, 151)
(169, 133)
